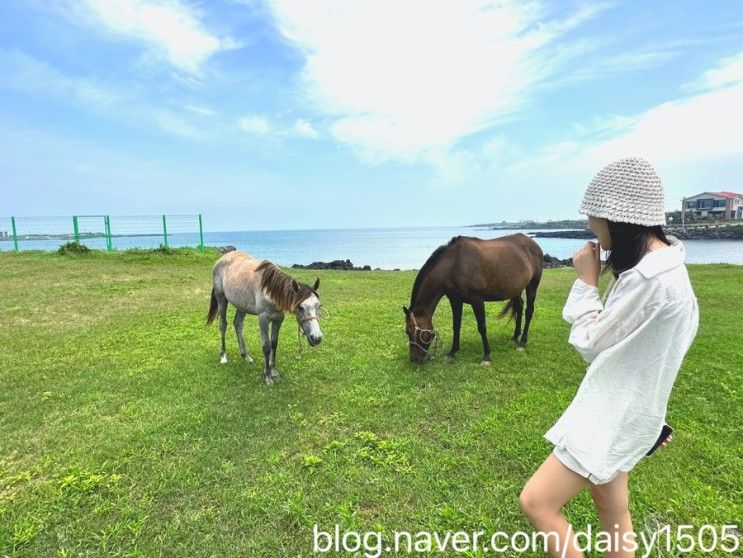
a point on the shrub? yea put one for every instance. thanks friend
(72, 248)
(162, 249)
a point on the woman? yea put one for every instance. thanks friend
(635, 344)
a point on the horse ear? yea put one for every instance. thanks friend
(406, 310)
(316, 285)
(295, 285)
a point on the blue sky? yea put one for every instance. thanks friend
(325, 114)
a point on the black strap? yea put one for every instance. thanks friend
(664, 433)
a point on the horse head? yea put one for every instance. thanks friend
(307, 311)
(421, 335)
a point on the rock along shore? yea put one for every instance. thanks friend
(346, 265)
(549, 262)
(733, 232)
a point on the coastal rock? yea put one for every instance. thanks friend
(344, 265)
(578, 233)
(550, 262)
(707, 233)
(712, 232)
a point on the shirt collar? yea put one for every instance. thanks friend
(662, 259)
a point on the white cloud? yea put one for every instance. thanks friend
(170, 29)
(701, 127)
(177, 125)
(705, 126)
(694, 142)
(200, 110)
(613, 65)
(728, 71)
(260, 125)
(255, 124)
(23, 72)
(304, 128)
(407, 80)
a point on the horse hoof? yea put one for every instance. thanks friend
(223, 360)
(449, 358)
(248, 359)
(275, 375)
(269, 381)
(521, 349)
(486, 362)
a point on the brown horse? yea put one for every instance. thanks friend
(473, 271)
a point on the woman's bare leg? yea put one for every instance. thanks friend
(612, 503)
(550, 488)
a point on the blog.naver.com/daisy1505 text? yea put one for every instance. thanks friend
(671, 539)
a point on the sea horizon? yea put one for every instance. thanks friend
(377, 247)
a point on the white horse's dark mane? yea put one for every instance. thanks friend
(280, 287)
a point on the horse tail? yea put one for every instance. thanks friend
(508, 307)
(213, 307)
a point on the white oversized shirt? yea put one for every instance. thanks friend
(635, 345)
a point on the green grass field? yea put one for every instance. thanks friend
(121, 434)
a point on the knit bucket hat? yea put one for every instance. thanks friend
(629, 191)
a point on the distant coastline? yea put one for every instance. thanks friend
(579, 229)
(520, 225)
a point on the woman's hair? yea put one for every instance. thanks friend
(629, 243)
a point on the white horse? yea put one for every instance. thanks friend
(259, 287)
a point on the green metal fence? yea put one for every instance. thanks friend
(106, 232)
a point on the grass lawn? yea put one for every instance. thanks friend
(121, 434)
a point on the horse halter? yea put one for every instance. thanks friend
(418, 332)
(321, 313)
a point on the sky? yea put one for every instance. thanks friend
(333, 114)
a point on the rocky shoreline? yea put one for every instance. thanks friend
(343, 265)
(579, 233)
(734, 232)
(708, 233)
(549, 262)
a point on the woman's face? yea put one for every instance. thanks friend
(599, 227)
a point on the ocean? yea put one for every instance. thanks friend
(384, 248)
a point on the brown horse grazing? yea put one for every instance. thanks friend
(473, 271)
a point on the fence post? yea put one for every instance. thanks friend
(15, 234)
(165, 232)
(201, 233)
(107, 227)
(75, 228)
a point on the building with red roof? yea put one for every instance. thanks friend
(723, 205)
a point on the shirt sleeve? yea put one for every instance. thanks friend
(596, 327)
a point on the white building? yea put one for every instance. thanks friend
(723, 205)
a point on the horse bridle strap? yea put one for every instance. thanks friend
(300, 321)
(414, 341)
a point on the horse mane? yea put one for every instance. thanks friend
(430, 262)
(280, 287)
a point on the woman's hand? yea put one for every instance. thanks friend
(587, 262)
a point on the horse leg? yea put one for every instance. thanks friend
(223, 327)
(479, 308)
(263, 322)
(456, 313)
(518, 304)
(275, 326)
(531, 295)
(238, 323)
